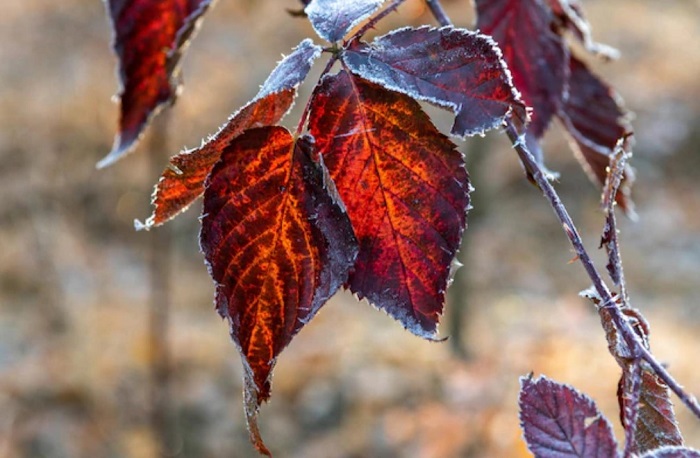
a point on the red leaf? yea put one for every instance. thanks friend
(149, 39)
(535, 55)
(560, 421)
(183, 181)
(405, 189)
(593, 115)
(278, 245)
(672, 452)
(333, 19)
(452, 68)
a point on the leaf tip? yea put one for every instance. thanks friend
(119, 150)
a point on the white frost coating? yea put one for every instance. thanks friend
(376, 63)
(333, 19)
(291, 70)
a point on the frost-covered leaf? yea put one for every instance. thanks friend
(452, 68)
(559, 421)
(405, 189)
(536, 56)
(671, 452)
(333, 19)
(594, 117)
(656, 421)
(278, 245)
(183, 181)
(149, 39)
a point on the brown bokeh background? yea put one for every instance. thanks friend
(74, 288)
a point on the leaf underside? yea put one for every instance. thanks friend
(555, 83)
(333, 19)
(405, 189)
(183, 181)
(594, 118)
(149, 39)
(559, 421)
(278, 245)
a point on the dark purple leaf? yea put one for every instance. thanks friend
(536, 56)
(559, 421)
(452, 68)
(593, 115)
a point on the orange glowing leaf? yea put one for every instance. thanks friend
(406, 191)
(278, 244)
(183, 181)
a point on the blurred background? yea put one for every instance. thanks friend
(75, 359)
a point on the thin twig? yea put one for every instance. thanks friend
(372, 22)
(305, 113)
(439, 12)
(631, 338)
(539, 176)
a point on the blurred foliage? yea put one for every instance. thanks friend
(73, 283)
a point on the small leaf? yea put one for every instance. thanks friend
(593, 115)
(671, 452)
(406, 192)
(149, 39)
(536, 56)
(278, 245)
(451, 68)
(559, 421)
(183, 181)
(333, 19)
(656, 421)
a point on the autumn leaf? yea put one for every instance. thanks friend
(183, 180)
(149, 39)
(557, 420)
(405, 189)
(333, 19)
(593, 115)
(536, 56)
(656, 423)
(449, 67)
(656, 420)
(278, 244)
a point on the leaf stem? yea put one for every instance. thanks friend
(305, 113)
